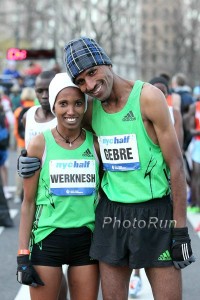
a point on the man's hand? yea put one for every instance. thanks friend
(26, 273)
(182, 255)
(26, 166)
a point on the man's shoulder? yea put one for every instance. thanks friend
(149, 91)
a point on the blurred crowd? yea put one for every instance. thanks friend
(17, 94)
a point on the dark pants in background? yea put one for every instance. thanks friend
(5, 219)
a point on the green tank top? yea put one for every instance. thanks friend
(68, 188)
(135, 170)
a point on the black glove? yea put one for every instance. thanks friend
(182, 255)
(26, 273)
(26, 166)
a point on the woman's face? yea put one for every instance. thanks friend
(69, 107)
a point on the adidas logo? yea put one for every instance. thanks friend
(87, 153)
(129, 117)
(165, 256)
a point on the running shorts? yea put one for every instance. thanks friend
(135, 235)
(64, 246)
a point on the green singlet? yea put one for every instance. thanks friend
(135, 170)
(68, 185)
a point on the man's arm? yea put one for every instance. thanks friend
(155, 112)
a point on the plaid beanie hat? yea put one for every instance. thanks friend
(82, 54)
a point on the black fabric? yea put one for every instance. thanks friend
(5, 219)
(137, 235)
(64, 246)
(186, 101)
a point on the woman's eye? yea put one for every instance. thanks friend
(62, 103)
(79, 103)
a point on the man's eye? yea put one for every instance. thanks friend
(79, 82)
(92, 72)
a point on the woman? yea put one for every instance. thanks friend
(58, 208)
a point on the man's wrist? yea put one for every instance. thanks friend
(180, 231)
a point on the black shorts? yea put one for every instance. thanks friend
(64, 246)
(134, 235)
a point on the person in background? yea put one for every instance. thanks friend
(193, 125)
(175, 114)
(59, 218)
(39, 117)
(179, 86)
(27, 100)
(9, 121)
(34, 69)
(196, 92)
(56, 67)
(11, 72)
(15, 96)
(172, 97)
(5, 218)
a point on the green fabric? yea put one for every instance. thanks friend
(63, 211)
(150, 181)
(36, 102)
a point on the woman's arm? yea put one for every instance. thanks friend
(35, 148)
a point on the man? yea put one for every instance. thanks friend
(138, 147)
(39, 118)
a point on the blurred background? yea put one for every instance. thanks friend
(142, 37)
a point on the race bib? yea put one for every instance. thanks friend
(72, 177)
(119, 153)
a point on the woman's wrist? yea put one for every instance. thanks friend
(23, 252)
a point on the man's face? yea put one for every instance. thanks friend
(42, 92)
(96, 82)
